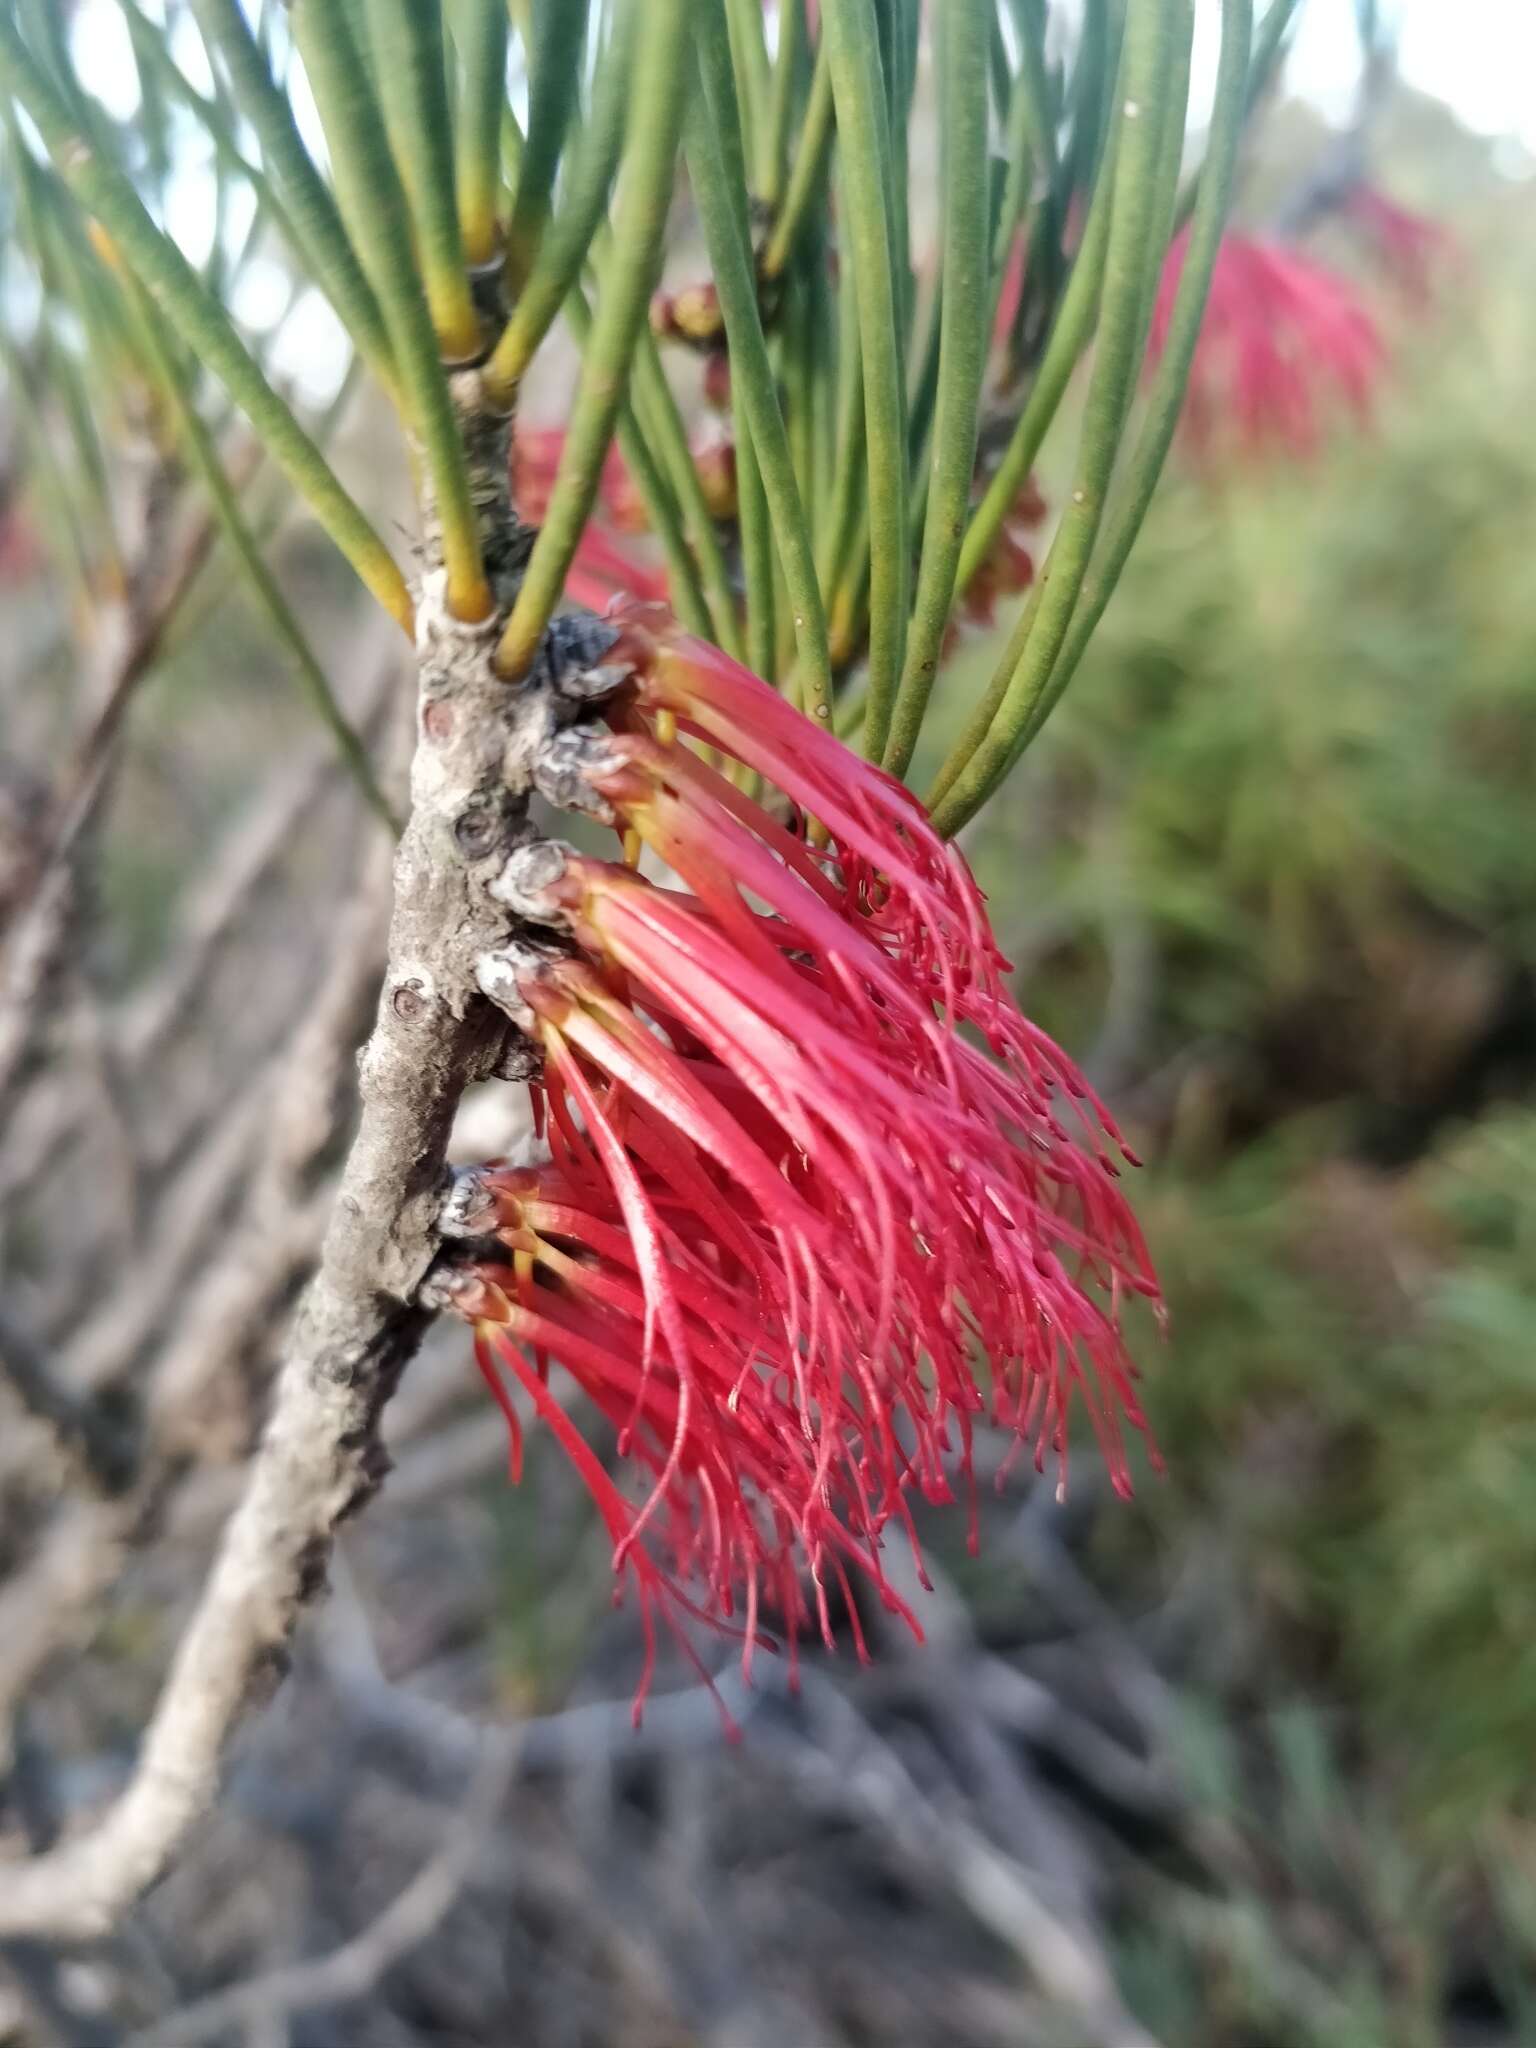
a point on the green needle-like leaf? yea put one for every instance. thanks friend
(858, 91)
(566, 243)
(1167, 394)
(199, 320)
(482, 39)
(628, 279)
(962, 360)
(203, 459)
(807, 176)
(560, 33)
(1149, 73)
(407, 38)
(308, 209)
(713, 138)
(374, 206)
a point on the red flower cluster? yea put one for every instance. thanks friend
(605, 562)
(1281, 338)
(792, 1202)
(1416, 252)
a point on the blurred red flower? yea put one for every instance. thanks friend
(1284, 340)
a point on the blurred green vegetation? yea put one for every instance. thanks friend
(1272, 868)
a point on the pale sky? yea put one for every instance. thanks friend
(1479, 55)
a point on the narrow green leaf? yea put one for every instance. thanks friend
(1166, 398)
(808, 173)
(656, 494)
(788, 62)
(656, 410)
(1068, 338)
(754, 89)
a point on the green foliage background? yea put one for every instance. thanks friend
(1275, 862)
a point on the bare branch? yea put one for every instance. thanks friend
(358, 1324)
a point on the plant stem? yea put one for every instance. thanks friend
(628, 278)
(962, 359)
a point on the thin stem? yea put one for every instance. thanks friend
(407, 37)
(308, 208)
(713, 138)
(373, 203)
(629, 277)
(1149, 69)
(567, 242)
(482, 38)
(962, 360)
(200, 321)
(560, 34)
(864, 154)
